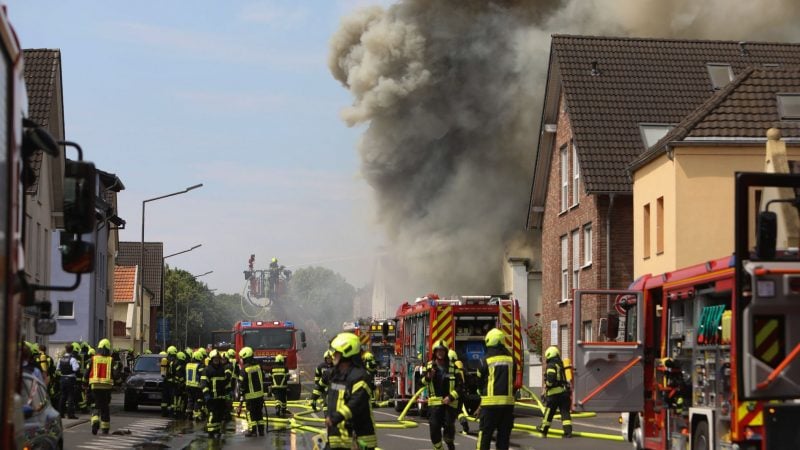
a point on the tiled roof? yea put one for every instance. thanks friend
(640, 81)
(124, 284)
(153, 253)
(744, 110)
(42, 73)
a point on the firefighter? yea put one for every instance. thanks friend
(279, 377)
(556, 393)
(349, 413)
(166, 393)
(462, 415)
(371, 366)
(83, 359)
(179, 386)
(444, 385)
(101, 382)
(47, 366)
(496, 375)
(68, 368)
(194, 395)
(251, 390)
(321, 377)
(216, 384)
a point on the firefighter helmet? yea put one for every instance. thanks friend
(494, 337)
(188, 351)
(181, 356)
(551, 352)
(246, 352)
(198, 356)
(91, 351)
(162, 353)
(347, 344)
(104, 343)
(279, 359)
(231, 353)
(172, 350)
(440, 344)
(76, 347)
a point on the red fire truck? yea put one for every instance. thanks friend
(706, 357)
(462, 322)
(269, 339)
(21, 140)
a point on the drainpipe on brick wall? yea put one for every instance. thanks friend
(608, 240)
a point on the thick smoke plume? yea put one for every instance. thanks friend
(452, 91)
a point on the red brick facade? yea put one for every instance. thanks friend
(590, 210)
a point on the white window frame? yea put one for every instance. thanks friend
(587, 245)
(587, 331)
(564, 340)
(564, 178)
(576, 258)
(576, 175)
(565, 291)
(58, 309)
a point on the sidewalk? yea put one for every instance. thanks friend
(69, 423)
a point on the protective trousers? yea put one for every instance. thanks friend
(496, 418)
(442, 417)
(280, 397)
(557, 402)
(166, 398)
(102, 412)
(178, 402)
(217, 411)
(255, 415)
(194, 402)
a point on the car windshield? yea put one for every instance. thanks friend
(148, 364)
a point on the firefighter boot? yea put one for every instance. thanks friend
(95, 424)
(464, 425)
(261, 430)
(543, 430)
(450, 445)
(567, 431)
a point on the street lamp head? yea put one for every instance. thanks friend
(196, 246)
(193, 187)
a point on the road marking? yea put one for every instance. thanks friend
(408, 437)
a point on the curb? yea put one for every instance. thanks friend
(73, 423)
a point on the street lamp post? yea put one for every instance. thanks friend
(163, 300)
(186, 321)
(141, 261)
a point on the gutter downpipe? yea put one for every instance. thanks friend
(608, 240)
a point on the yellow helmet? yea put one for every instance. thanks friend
(246, 352)
(327, 354)
(494, 337)
(91, 351)
(198, 356)
(181, 356)
(279, 359)
(172, 350)
(231, 353)
(368, 356)
(76, 347)
(551, 352)
(347, 344)
(104, 343)
(214, 353)
(440, 344)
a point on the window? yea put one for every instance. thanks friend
(564, 332)
(646, 231)
(587, 331)
(660, 225)
(66, 309)
(576, 175)
(564, 269)
(119, 328)
(587, 245)
(789, 106)
(564, 178)
(720, 75)
(652, 133)
(576, 259)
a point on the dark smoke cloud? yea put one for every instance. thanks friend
(452, 91)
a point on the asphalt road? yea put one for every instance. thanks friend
(146, 429)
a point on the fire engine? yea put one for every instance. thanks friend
(462, 322)
(706, 356)
(378, 337)
(21, 138)
(269, 339)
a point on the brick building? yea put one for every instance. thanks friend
(607, 101)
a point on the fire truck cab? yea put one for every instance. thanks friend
(711, 350)
(462, 322)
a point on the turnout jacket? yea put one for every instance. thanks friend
(443, 381)
(216, 381)
(349, 404)
(496, 377)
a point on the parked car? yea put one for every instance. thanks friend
(42, 428)
(144, 385)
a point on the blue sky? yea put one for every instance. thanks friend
(235, 95)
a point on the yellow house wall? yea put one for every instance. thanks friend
(697, 186)
(655, 180)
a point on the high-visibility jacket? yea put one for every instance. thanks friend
(193, 373)
(251, 381)
(444, 382)
(279, 377)
(497, 378)
(350, 410)
(100, 372)
(555, 379)
(216, 381)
